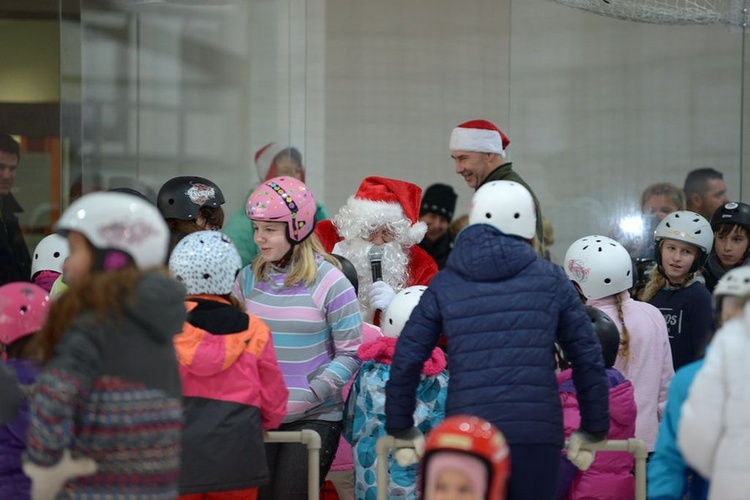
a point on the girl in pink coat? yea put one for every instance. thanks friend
(602, 271)
(609, 475)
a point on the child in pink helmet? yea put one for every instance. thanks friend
(299, 291)
(23, 309)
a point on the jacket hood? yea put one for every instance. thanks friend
(382, 350)
(158, 307)
(484, 253)
(205, 353)
(622, 408)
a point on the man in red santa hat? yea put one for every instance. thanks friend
(479, 150)
(380, 224)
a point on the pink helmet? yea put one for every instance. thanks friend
(284, 199)
(23, 309)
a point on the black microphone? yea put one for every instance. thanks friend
(376, 256)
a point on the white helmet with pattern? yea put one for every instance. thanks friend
(505, 205)
(205, 262)
(399, 310)
(118, 223)
(49, 254)
(599, 265)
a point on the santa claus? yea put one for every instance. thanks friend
(380, 224)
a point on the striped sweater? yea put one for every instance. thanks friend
(317, 330)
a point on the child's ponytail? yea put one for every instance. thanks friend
(624, 333)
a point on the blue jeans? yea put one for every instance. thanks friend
(287, 462)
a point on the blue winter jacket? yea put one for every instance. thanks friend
(501, 309)
(669, 476)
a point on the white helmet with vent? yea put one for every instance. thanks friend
(506, 205)
(687, 226)
(49, 254)
(735, 282)
(399, 310)
(206, 262)
(600, 266)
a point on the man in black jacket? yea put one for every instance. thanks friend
(15, 261)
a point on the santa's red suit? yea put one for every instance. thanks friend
(421, 267)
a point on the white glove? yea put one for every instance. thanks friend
(410, 456)
(46, 482)
(581, 458)
(381, 295)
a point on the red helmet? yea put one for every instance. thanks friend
(478, 438)
(23, 308)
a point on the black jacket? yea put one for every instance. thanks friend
(15, 261)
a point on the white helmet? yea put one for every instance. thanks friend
(600, 266)
(735, 282)
(205, 262)
(398, 311)
(119, 222)
(687, 226)
(505, 205)
(49, 254)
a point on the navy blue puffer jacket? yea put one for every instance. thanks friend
(501, 309)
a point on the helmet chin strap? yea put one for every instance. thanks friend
(671, 283)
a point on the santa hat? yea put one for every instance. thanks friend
(480, 136)
(380, 200)
(264, 160)
(473, 468)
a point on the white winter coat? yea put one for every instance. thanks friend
(714, 431)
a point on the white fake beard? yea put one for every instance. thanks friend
(394, 267)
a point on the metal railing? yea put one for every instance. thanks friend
(312, 440)
(636, 447)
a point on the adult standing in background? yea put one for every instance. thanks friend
(436, 210)
(478, 148)
(705, 191)
(15, 261)
(272, 160)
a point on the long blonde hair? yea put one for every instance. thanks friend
(624, 333)
(303, 267)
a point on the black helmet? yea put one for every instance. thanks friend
(606, 331)
(182, 197)
(732, 213)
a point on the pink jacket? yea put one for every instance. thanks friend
(344, 461)
(238, 368)
(609, 476)
(649, 366)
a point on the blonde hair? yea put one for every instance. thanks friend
(303, 267)
(675, 194)
(624, 333)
